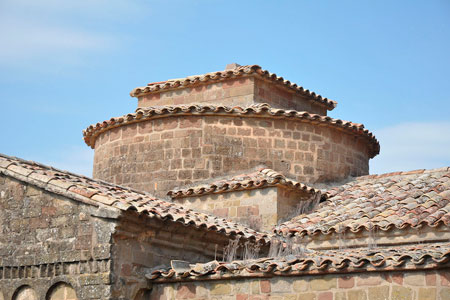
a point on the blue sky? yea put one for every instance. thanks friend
(67, 64)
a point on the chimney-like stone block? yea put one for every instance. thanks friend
(260, 209)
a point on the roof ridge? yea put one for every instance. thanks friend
(240, 71)
(412, 172)
(263, 177)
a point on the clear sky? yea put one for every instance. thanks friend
(67, 64)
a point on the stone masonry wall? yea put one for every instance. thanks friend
(409, 285)
(276, 96)
(260, 209)
(142, 243)
(46, 239)
(239, 91)
(160, 154)
(231, 92)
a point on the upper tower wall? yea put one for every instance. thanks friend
(201, 127)
(237, 85)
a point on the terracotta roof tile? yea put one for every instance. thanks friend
(264, 109)
(396, 199)
(258, 179)
(241, 71)
(423, 256)
(98, 193)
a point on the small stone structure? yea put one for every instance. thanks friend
(255, 194)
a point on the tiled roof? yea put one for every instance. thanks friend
(255, 180)
(402, 199)
(264, 109)
(421, 256)
(240, 71)
(100, 193)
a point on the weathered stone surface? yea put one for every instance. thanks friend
(323, 284)
(221, 289)
(414, 279)
(357, 295)
(427, 293)
(325, 296)
(307, 296)
(379, 293)
(280, 285)
(444, 294)
(45, 238)
(340, 296)
(300, 285)
(401, 293)
(368, 280)
(198, 148)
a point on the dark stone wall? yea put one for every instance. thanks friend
(141, 244)
(47, 239)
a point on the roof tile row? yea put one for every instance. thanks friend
(98, 193)
(240, 71)
(254, 180)
(263, 109)
(379, 201)
(423, 256)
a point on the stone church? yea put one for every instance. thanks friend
(228, 185)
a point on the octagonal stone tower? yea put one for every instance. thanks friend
(201, 127)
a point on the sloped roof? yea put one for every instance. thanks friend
(248, 181)
(402, 199)
(421, 256)
(264, 109)
(241, 71)
(98, 193)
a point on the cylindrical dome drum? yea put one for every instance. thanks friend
(157, 149)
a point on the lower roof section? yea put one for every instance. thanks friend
(103, 194)
(410, 257)
(379, 202)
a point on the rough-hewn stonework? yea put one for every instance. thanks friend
(419, 285)
(46, 239)
(160, 154)
(140, 244)
(236, 85)
(247, 207)
(237, 91)
(258, 150)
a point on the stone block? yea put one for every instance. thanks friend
(307, 296)
(265, 286)
(444, 294)
(300, 285)
(254, 287)
(346, 282)
(401, 293)
(427, 293)
(221, 289)
(323, 284)
(340, 296)
(414, 279)
(357, 295)
(368, 280)
(325, 296)
(379, 293)
(186, 291)
(430, 279)
(281, 285)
